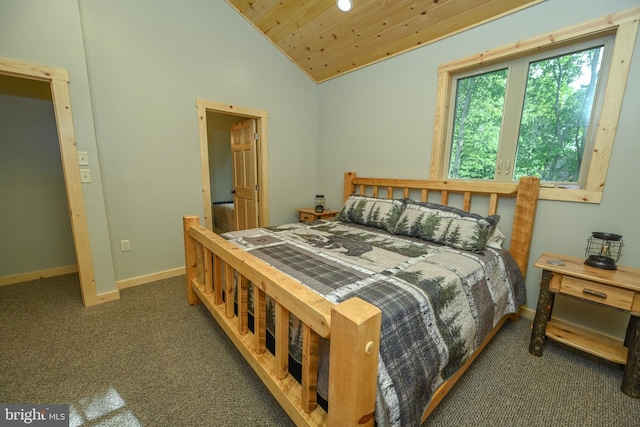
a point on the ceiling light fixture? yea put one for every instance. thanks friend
(344, 5)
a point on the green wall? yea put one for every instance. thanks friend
(379, 121)
(136, 69)
(148, 62)
(50, 33)
(32, 192)
(219, 141)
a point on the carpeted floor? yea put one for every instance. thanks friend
(149, 359)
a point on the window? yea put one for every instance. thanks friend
(559, 112)
(531, 117)
(477, 121)
(534, 108)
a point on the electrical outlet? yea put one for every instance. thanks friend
(85, 175)
(125, 246)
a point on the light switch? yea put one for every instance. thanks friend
(85, 175)
(83, 158)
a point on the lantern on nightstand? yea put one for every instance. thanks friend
(319, 203)
(603, 250)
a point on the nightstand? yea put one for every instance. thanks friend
(617, 289)
(309, 214)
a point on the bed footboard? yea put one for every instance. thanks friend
(219, 274)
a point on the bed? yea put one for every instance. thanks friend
(223, 217)
(322, 340)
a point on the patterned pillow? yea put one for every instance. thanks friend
(446, 225)
(371, 211)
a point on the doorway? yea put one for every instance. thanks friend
(58, 79)
(260, 118)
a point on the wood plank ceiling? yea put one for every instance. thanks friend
(326, 42)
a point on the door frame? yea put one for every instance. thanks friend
(261, 118)
(58, 79)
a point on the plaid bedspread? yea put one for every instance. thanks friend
(437, 303)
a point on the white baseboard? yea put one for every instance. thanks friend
(35, 275)
(141, 280)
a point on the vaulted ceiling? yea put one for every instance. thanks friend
(326, 42)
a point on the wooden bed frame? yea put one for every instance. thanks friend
(352, 326)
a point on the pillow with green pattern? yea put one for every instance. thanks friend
(371, 211)
(446, 225)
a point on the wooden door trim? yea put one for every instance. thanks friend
(261, 118)
(59, 82)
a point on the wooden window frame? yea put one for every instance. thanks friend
(624, 25)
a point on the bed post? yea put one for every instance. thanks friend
(524, 219)
(355, 344)
(190, 257)
(349, 186)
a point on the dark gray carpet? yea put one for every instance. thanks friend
(149, 359)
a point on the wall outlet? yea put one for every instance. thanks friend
(124, 245)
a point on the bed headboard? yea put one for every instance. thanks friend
(525, 192)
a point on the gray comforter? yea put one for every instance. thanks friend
(437, 303)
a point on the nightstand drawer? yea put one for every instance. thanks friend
(603, 294)
(307, 217)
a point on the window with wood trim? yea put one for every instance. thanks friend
(544, 107)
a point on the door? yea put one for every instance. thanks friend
(261, 118)
(58, 79)
(245, 173)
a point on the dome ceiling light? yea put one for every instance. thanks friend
(344, 5)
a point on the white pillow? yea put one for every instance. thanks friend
(496, 239)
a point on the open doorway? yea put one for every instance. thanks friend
(218, 182)
(58, 80)
(221, 169)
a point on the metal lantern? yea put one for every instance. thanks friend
(320, 203)
(603, 250)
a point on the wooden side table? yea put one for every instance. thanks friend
(618, 289)
(309, 214)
